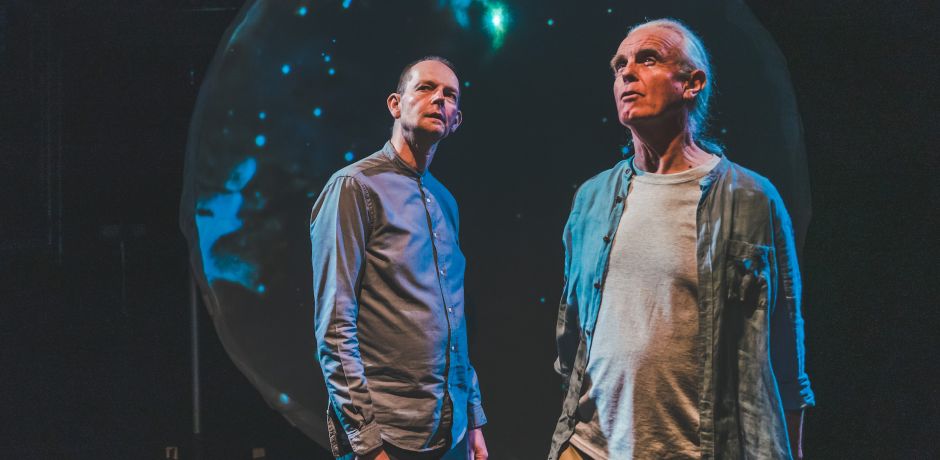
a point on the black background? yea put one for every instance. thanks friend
(96, 103)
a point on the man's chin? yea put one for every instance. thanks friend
(434, 131)
(634, 118)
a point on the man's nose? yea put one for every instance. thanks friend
(438, 97)
(628, 72)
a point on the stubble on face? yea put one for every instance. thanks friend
(429, 104)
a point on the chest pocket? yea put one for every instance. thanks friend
(749, 275)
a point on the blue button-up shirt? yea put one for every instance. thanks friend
(388, 277)
(749, 295)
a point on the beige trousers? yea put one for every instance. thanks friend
(570, 453)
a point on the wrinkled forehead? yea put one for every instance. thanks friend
(666, 41)
(433, 71)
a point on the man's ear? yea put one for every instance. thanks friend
(458, 119)
(694, 84)
(394, 105)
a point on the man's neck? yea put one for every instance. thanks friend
(667, 152)
(413, 151)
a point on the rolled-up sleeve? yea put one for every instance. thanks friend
(339, 229)
(567, 327)
(786, 335)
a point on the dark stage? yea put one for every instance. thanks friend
(106, 142)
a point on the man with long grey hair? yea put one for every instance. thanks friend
(679, 330)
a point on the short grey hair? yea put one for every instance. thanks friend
(403, 78)
(693, 56)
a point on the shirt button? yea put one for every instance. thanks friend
(442, 272)
(434, 234)
(597, 285)
(606, 239)
(450, 309)
(453, 348)
(427, 200)
(618, 199)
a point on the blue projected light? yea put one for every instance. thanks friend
(302, 11)
(219, 216)
(285, 69)
(261, 289)
(283, 398)
(610, 10)
(262, 115)
(331, 71)
(550, 22)
(327, 58)
(317, 112)
(346, 4)
(625, 150)
(348, 156)
(260, 140)
(466, 84)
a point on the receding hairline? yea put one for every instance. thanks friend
(693, 56)
(405, 76)
(673, 27)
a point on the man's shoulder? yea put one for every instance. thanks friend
(359, 170)
(604, 181)
(751, 182)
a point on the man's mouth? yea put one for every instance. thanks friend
(436, 116)
(630, 95)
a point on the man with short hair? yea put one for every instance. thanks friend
(388, 287)
(679, 330)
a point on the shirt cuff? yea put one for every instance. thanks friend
(797, 395)
(476, 416)
(366, 439)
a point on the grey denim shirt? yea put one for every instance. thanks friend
(749, 301)
(388, 279)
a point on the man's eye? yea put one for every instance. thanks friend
(649, 60)
(424, 88)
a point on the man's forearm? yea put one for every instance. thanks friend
(344, 376)
(339, 232)
(795, 432)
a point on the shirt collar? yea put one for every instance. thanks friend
(392, 155)
(629, 169)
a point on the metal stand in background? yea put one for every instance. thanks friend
(197, 445)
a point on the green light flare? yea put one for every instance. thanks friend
(497, 21)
